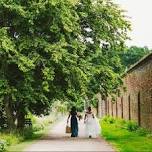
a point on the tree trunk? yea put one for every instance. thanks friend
(20, 119)
(9, 113)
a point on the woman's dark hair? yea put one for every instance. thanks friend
(89, 108)
(73, 110)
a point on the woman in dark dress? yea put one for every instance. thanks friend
(74, 122)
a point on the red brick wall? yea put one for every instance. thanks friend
(138, 95)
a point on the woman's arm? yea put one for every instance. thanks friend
(85, 117)
(68, 118)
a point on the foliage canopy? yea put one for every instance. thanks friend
(57, 49)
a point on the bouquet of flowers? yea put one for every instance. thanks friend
(80, 117)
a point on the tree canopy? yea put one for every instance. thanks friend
(57, 49)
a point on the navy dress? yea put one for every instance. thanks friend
(74, 124)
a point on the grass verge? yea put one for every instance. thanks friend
(126, 136)
(18, 141)
(23, 144)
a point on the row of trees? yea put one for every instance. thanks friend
(133, 54)
(57, 49)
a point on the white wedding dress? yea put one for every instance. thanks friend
(92, 127)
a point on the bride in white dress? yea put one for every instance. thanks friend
(92, 127)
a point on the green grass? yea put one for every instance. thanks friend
(28, 141)
(125, 140)
(18, 141)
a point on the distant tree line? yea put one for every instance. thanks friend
(133, 54)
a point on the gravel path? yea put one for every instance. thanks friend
(57, 140)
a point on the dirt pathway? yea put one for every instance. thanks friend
(57, 140)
